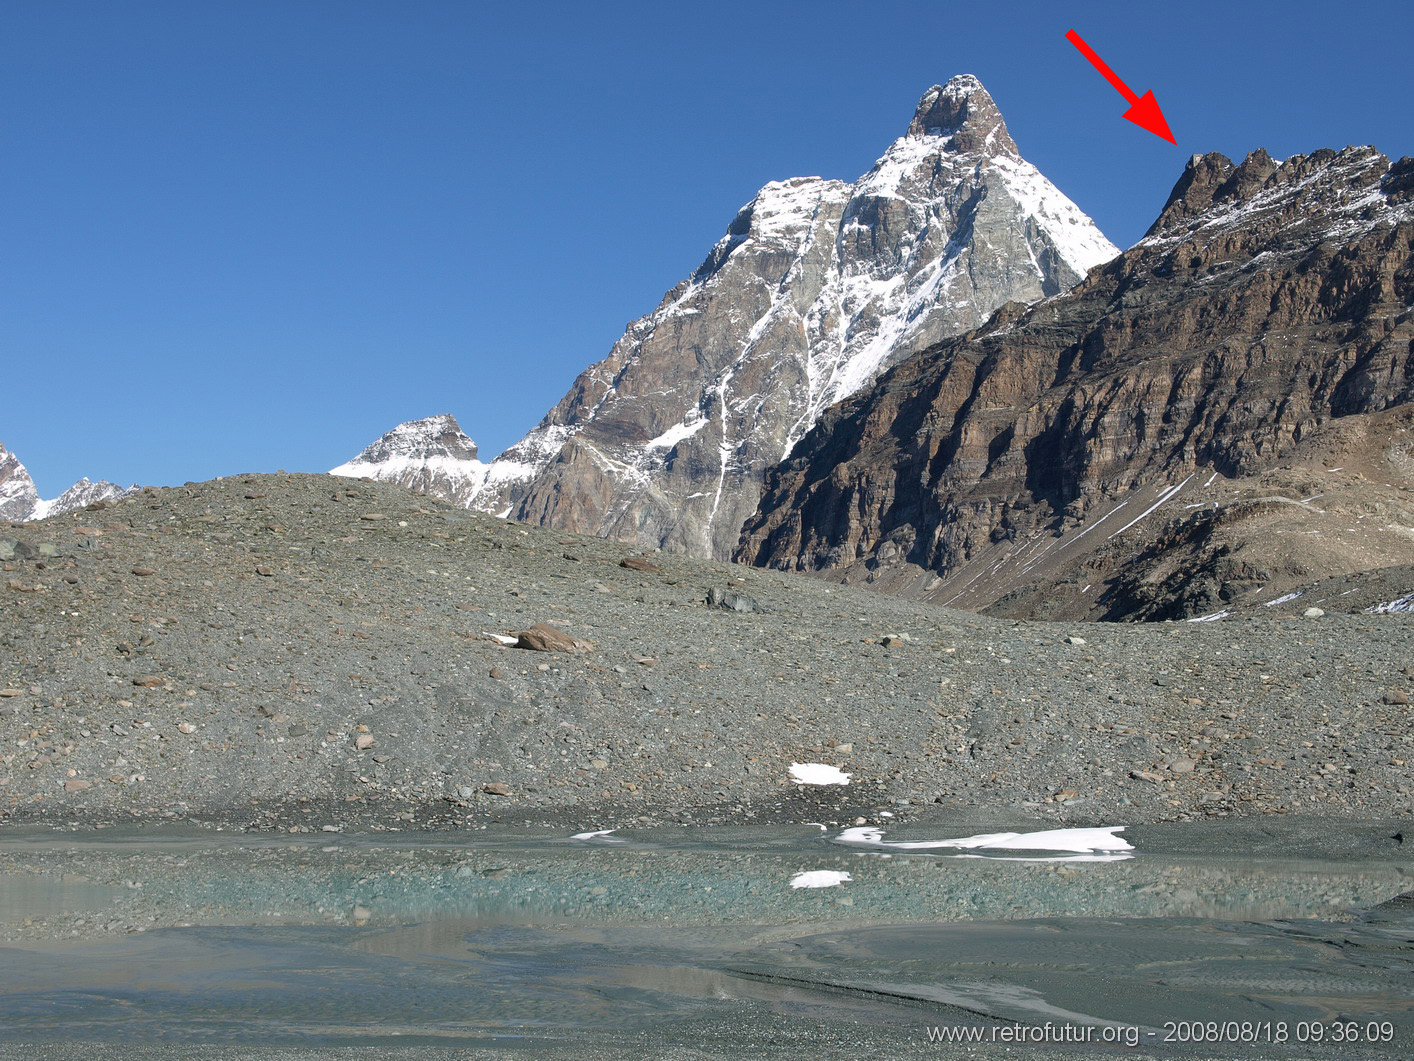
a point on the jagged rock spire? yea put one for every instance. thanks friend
(963, 110)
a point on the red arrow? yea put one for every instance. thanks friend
(1143, 110)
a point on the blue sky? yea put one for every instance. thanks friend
(241, 236)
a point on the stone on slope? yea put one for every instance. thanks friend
(542, 637)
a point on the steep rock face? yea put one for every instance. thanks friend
(20, 501)
(1266, 301)
(816, 287)
(433, 455)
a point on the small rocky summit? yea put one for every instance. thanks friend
(815, 288)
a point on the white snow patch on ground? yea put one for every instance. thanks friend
(1403, 604)
(819, 878)
(1168, 493)
(1101, 839)
(1284, 598)
(817, 774)
(1094, 856)
(1214, 617)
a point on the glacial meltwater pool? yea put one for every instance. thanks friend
(713, 943)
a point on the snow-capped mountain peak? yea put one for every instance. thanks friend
(815, 288)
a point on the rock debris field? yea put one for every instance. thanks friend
(312, 653)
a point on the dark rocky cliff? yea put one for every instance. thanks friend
(1267, 302)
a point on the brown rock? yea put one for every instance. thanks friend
(147, 681)
(264, 571)
(143, 571)
(637, 563)
(543, 637)
(497, 788)
(364, 741)
(1395, 696)
(74, 784)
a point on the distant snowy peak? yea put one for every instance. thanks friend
(81, 494)
(18, 497)
(20, 501)
(431, 437)
(433, 455)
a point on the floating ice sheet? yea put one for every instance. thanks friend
(1100, 840)
(603, 836)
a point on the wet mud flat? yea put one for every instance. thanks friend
(733, 942)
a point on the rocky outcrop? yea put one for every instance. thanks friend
(816, 287)
(1266, 303)
(20, 501)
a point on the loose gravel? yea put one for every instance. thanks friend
(302, 651)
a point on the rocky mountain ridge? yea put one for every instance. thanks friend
(816, 287)
(20, 501)
(1219, 370)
